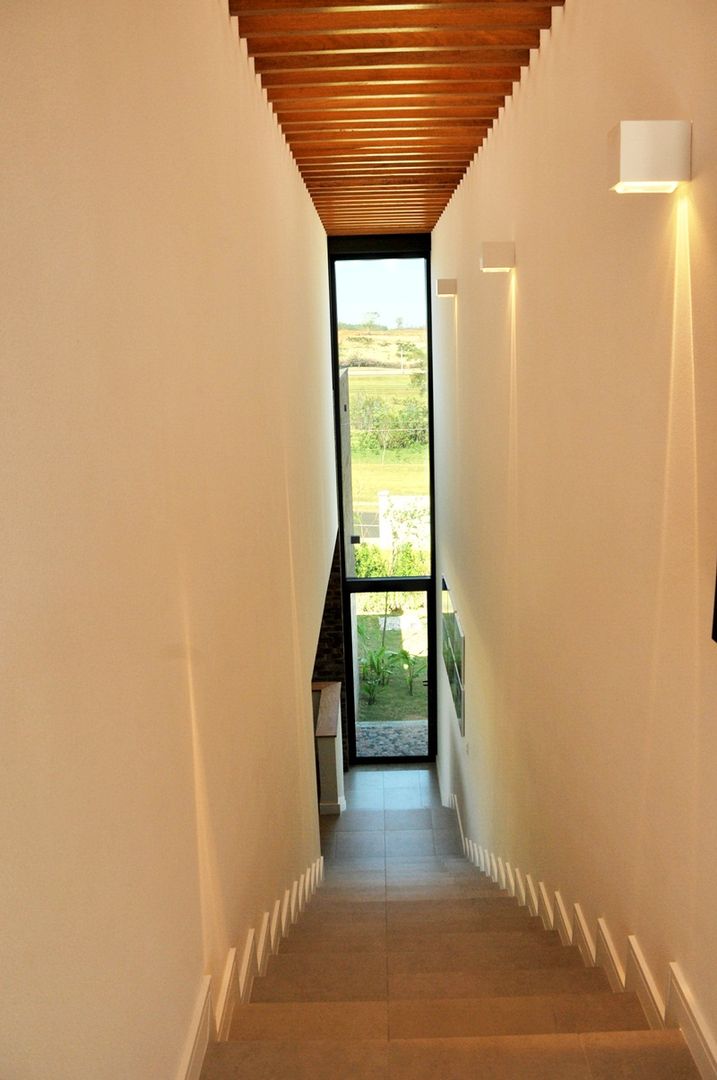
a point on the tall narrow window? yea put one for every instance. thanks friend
(383, 407)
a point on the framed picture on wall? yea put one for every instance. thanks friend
(454, 653)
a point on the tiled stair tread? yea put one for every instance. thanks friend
(506, 955)
(366, 1059)
(641, 1055)
(536, 1014)
(302, 1020)
(400, 932)
(323, 977)
(476, 942)
(379, 938)
(498, 983)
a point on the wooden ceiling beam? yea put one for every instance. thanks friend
(315, 140)
(514, 58)
(395, 20)
(271, 7)
(465, 91)
(429, 100)
(411, 114)
(492, 74)
(445, 128)
(358, 41)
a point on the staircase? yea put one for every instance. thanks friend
(409, 964)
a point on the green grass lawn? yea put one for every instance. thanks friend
(402, 472)
(393, 702)
(394, 384)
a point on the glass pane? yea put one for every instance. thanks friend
(383, 393)
(391, 659)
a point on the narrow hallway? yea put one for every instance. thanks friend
(410, 963)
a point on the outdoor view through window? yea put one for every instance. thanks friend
(383, 399)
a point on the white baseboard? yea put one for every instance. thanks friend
(640, 980)
(237, 979)
(682, 1011)
(582, 936)
(545, 908)
(531, 896)
(520, 891)
(227, 997)
(606, 956)
(263, 944)
(333, 807)
(201, 1031)
(275, 926)
(285, 913)
(248, 967)
(509, 879)
(562, 920)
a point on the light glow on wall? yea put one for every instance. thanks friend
(646, 187)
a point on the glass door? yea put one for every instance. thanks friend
(382, 381)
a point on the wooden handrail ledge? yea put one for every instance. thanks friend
(328, 719)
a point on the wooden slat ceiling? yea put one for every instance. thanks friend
(385, 104)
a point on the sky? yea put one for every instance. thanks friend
(395, 288)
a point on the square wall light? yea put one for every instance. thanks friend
(649, 156)
(497, 256)
(446, 287)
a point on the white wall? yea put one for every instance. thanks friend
(577, 461)
(167, 528)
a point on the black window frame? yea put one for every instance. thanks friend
(388, 246)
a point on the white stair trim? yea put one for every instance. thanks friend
(582, 936)
(545, 908)
(640, 980)
(248, 967)
(606, 956)
(562, 920)
(263, 944)
(227, 997)
(531, 896)
(201, 1031)
(275, 927)
(682, 1011)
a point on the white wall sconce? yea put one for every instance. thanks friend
(497, 256)
(446, 287)
(649, 156)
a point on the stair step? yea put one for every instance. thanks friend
(319, 1060)
(302, 1020)
(439, 1018)
(475, 943)
(377, 938)
(430, 911)
(508, 956)
(639, 1055)
(323, 977)
(349, 939)
(498, 983)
